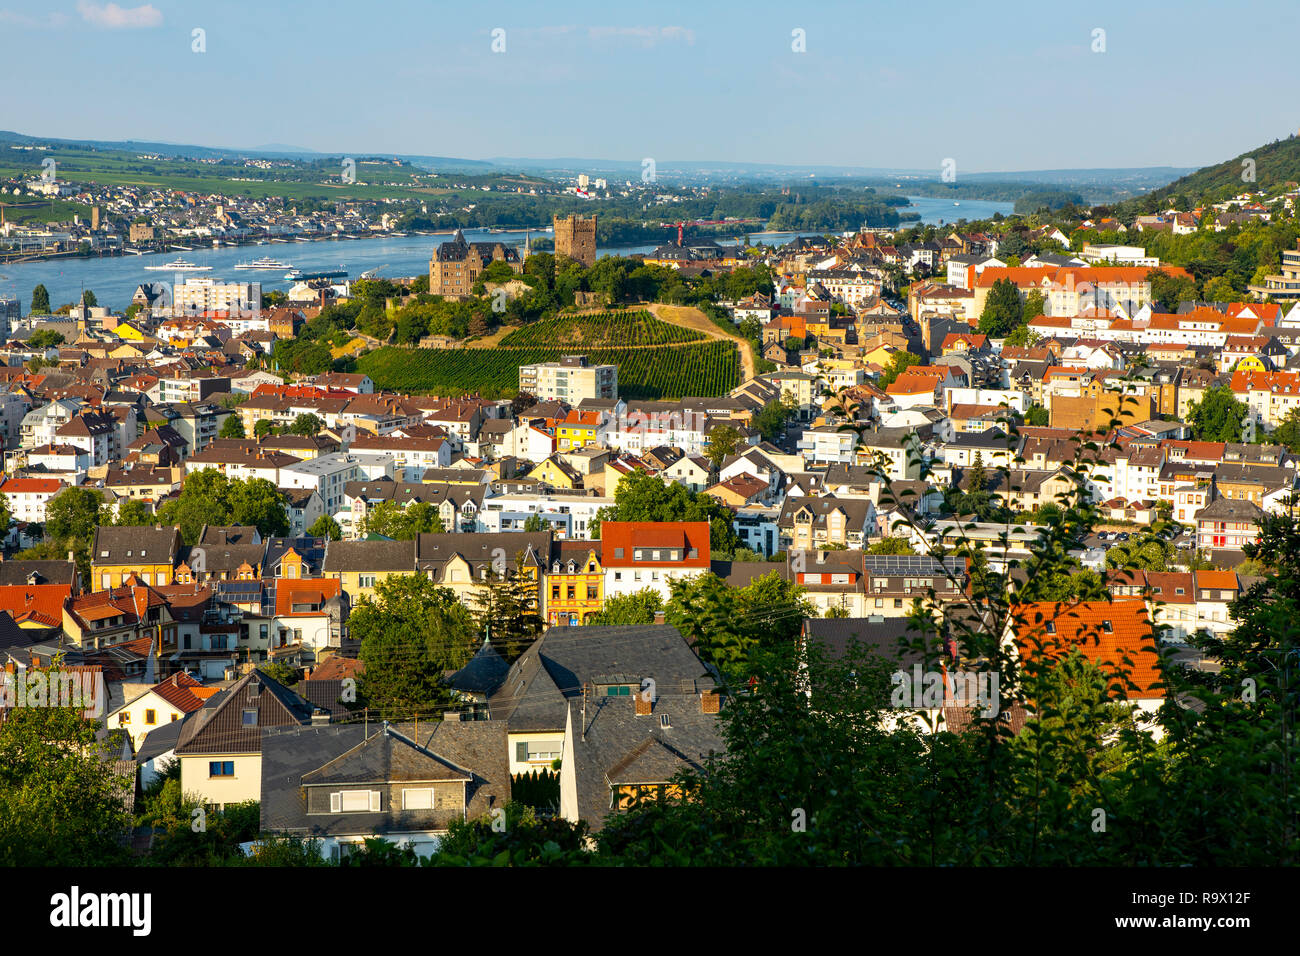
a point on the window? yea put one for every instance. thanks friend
(898, 602)
(151, 717)
(250, 718)
(123, 718)
(355, 801)
(421, 799)
(221, 768)
(591, 592)
(618, 691)
(664, 721)
(366, 580)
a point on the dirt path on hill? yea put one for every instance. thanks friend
(689, 317)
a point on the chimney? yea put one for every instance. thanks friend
(644, 706)
(659, 617)
(710, 702)
(320, 718)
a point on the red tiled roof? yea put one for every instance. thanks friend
(307, 590)
(1116, 635)
(630, 535)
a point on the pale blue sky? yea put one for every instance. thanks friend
(997, 86)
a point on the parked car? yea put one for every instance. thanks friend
(1123, 536)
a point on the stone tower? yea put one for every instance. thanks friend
(575, 237)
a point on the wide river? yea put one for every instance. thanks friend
(114, 279)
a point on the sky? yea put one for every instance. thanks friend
(1000, 86)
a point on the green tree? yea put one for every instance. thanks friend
(771, 419)
(1288, 432)
(208, 497)
(895, 366)
(534, 522)
(45, 339)
(133, 513)
(1221, 289)
(892, 546)
(325, 527)
(262, 428)
(506, 608)
(1168, 291)
(1038, 416)
(1218, 416)
(411, 633)
(306, 424)
(74, 513)
(1003, 310)
(390, 520)
(723, 440)
(232, 427)
(1035, 303)
(638, 607)
(60, 801)
(88, 299)
(40, 300)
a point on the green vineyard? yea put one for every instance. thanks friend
(602, 330)
(704, 369)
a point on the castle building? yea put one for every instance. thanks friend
(456, 264)
(575, 237)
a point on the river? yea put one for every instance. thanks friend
(114, 279)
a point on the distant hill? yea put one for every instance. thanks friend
(1274, 164)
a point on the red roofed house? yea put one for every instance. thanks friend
(29, 496)
(1115, 635)
(648, 554)
(118, 615)
(955, 343)
(172, 699)
(1270, 395)
(308, 614)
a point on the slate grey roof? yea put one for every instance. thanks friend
(160, 740)
(1231, 509)
(218, 726)
(617, 747)
(369, 556)
(484, 672)
(435, 550)
(554, 669)
(17, 572)
(135, 545)
(475, 752)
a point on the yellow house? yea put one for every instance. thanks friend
(127, 350)
(150, 553)
(129, 333)
(557, 474)
(360, 565)
(574, 583)
(577, 430)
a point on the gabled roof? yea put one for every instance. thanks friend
(474, 754)
(564, 659)
(1115, 635)
(220, 727)
(615, 746)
